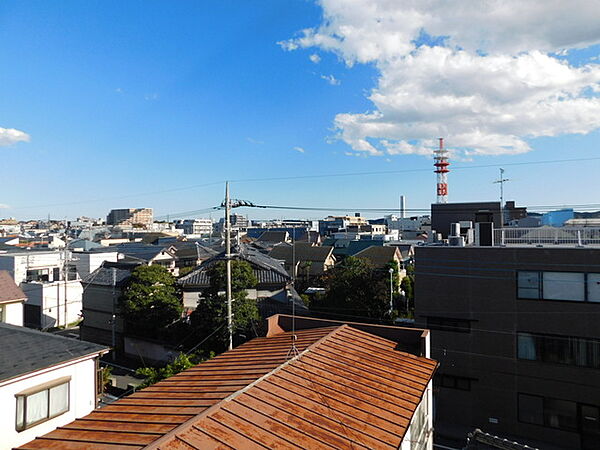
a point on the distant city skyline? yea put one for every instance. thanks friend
(114, 105)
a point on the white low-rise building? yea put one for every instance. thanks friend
(46, 381)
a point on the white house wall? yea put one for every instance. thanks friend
(45, 295)
(13, 313)
(82, 391)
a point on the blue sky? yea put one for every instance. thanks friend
(142, 97)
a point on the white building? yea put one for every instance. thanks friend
(195, 226)
(46, 381)
(86, 262)
(11, 300)
(51, 301)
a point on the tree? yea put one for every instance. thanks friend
(355, 288)
(408, 285)
(210, 315)
(154, 374)
(150, 302)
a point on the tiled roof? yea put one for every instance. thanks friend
(347, 388)
(273, 236)
(9, 291)
(303, 251)
(103, 275)
(25, 350)
(379, 256)
(267, 270)
(143, 417)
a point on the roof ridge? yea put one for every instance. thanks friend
(188, 423)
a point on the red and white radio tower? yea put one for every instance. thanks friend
(441, 168)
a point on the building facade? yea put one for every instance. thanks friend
(515, 330)
(199, 227)
(131, 216)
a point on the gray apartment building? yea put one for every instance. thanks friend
(516, 331)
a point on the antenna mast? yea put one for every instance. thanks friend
(441, 168)
(501, 182)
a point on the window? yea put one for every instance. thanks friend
(454, 382)
(449, 324)
(528, 285)
(560, 413)
(593, 287)
(556, 413)
(568, 286)
(564, 286)
(576, 351)
(2, 319)
(531, 409)
(42, 403)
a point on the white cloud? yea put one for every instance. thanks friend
(491, 83)
(151, 97)
(299, 149)
(331, 80)
(4, 206)
(315, 58)
(254, 141)
(9, 136)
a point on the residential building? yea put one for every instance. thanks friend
(142, 217)
(46, 381)
(191, 253)
(272, 292)
(304, 260)
(149, 254)
(342, 386)
(102, 322)
(85, 262)
(381, 256)
(237, 221)
(515, 330)
(198, 227)
(334, 224)
(11, 300)
(52, 300)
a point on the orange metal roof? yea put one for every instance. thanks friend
(346, 388)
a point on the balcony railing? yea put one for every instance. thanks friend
(577, 236)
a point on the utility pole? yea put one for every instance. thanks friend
(114, 315)
(66, 269)
(228, 261)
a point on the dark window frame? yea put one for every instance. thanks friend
(578, 414)
(443, 323)
(449, 381)
(541, 352)
(541, 286)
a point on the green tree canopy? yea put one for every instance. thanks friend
(211, 312)
(355, 288)
(150, 301)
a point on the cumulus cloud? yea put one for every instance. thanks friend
(315, 58)
(331, 80)
(299, 149)
(486, 75)
(9, 136)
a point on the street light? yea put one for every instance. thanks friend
(391, 290)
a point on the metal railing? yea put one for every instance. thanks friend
(577, 236)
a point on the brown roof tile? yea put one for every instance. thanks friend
(346, 388)
(9, 291)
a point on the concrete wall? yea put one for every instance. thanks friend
(82, 393)
(51, 298)
(87, 262)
